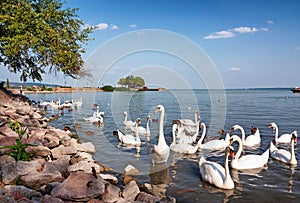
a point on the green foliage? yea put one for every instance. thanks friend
(18, 150)
(49, 89)
(132, 82)
(41, 36)
(122, 89)
(108, 88)
(43, 88)
(29, 88)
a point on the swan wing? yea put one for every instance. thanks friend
(279, 154)
(159, 155)
(212, 172)
(285, 138)
(250, 161)
(252, 140)
(214, 145)
(184, 148)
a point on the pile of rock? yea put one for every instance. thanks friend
(62, 168)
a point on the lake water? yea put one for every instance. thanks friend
(180, 177)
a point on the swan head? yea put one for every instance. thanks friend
(272, 125)
(124, 113)
(233, 128)
(253, 130)
(294, 136)
(159, 108)
(202, 125)
(230, 151)
(222, 131)
(138, 121)
(148, 118)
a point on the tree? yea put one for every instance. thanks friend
(39, 36)
(108, 88)
(7, 83)
(132, 82)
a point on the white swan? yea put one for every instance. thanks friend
(189, 125)
(188, 139)
(183, 148)
(96, 118)
(141, 129)
(251, 140)
(216, 174)
(283, 139)
(127, 123)
(161, 151)
(130, 139)
(212, 144)
(249, 161)
(284, 155)
(187, 122)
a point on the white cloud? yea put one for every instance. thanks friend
(244, 29)
(101, 26)
(270, 22)
(219, 35)
(234, 69)
(264, 29)
(114, 27)
(133, 26)
(232, 32)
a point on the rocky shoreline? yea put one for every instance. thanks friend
(61, 169)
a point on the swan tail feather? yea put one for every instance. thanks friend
(266, 155)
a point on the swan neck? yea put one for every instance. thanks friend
(227, 174)
(161, 137)
(276, 133)
(203, 135)
(173, 134)
(293, 157)
(125, 119)
(243, 133)
(240, 149)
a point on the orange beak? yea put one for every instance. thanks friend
(231, 154)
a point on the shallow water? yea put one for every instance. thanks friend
(180, 176)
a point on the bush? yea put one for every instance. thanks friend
(18, 150)
(122, 89)
(108, 88)
(29, 88)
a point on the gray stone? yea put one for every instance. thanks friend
(111, 194)
(79, 187)
(146, 198)
(26, 192)
(37, 180)
(50, 199)
(62, 150)
(14, 170)
(57, 165)
(38, 151)
(131, 191)
(84, 166)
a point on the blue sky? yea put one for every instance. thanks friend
(251, 43)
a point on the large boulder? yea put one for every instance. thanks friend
(38, 179)
(14, 170)
(79, 187)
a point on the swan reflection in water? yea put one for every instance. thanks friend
(292, 168)
(213, 190)
(159, 179)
